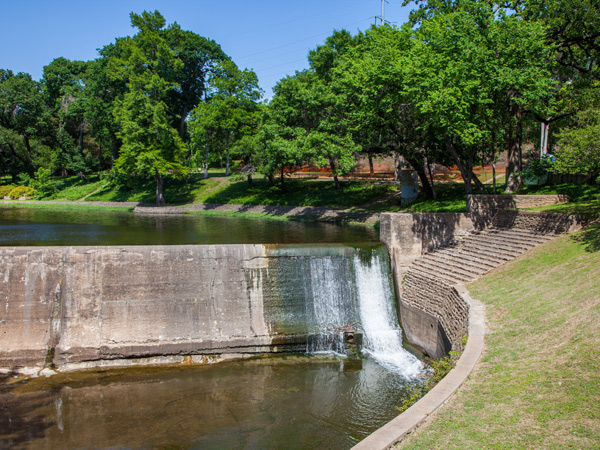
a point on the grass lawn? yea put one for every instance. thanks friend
(538, 383)
(361, 196)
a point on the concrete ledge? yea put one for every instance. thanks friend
(394, 431)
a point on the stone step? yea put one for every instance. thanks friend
(484, 260)
(522, 232)
(460, 260)
(444, 272)
(427, 281)
(440, 272)
(503, 242)
(488, 253)
(494, 247)
(534, 239)
(425, 278)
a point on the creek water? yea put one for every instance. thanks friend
(289, 402)
(45, 227)
(322, 399)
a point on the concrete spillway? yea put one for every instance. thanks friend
(74, 307)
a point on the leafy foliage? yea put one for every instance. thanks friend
(22, 192)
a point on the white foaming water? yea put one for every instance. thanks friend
(382, 336)
(330, 307)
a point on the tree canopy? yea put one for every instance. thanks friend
(463, 82)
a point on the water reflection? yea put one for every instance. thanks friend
(41, 227)
(289, 402)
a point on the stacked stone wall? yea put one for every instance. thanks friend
(446, 310)
(484, 208)
(496, 202)
(539, 222)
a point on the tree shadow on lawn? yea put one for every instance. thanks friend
(317, 193)
(589, 237)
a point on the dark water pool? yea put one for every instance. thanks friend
(41, 227)
(293, 402)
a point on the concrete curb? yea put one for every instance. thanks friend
(395, 430)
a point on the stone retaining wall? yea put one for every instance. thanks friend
(408, 236)
(434, 316)
(477, 203)
(540, 222)
(483, 208)
(434, 326)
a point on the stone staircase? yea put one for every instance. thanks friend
(476, 254)
(429, 281)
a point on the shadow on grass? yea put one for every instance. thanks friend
(589, 237)
(134, 189)
(450, 198)
(321, 193)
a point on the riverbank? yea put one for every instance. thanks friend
(538, 384)
(254, 211)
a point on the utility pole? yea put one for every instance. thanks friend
(382, 17)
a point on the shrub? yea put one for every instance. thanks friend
(42, 183)
(5, 190)
(22, 191)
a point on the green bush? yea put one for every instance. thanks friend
(42, 183)
(5, 190)
(22, 191)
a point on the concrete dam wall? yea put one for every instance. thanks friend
(75, 307)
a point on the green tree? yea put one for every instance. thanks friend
(151, 146)
(23, 113)
(578, 148)
(229, 113)
(383, 117)
(311, 115)
(476, 71)
(201, 58)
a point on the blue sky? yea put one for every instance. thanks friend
(272, 37)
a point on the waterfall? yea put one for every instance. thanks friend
(381, 331)
(352, 286)
(332, 305)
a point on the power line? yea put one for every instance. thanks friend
(297, 42)
(364, 2)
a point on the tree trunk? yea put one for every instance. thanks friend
(513, 182)
(371, 169)
(184, 115)
(494, 176)
(281, 185)
(206, 156)
(430, 174)
(464, 171)
(227, 158)
(420, 169)
(29, 164)
(398, 161)
(478, 183)
(250, 184)
(334, 173)
(81, 127)
(160, 200)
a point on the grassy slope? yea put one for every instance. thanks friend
(354, 195)
(538, 383)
